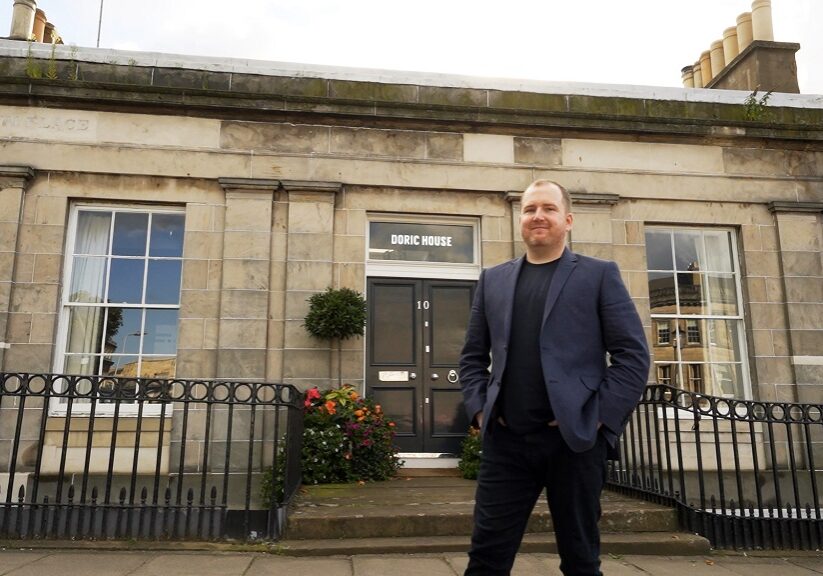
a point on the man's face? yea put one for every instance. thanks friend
(544, 220)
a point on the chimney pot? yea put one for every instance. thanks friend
(687, 74)
(730, 49)
(705, 67)
(717, 58)
(22, 19)
(39, 25)
(744, 31)
(697, 75)
(762, 28)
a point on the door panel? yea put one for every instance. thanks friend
(415, 334)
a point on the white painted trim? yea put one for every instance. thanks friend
(807, 360)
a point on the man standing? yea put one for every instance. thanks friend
(535, 378)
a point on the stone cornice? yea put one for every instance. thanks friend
(15, 176)
(801, 207)
(250, 184)
(311, 186)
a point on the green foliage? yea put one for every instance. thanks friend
(33, 69)
(470, 448)
(51, 68)
(756, 107)
(336, 313)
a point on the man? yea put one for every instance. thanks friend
(536, 380)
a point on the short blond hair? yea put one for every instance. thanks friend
(567, 199)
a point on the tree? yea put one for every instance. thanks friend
(336, 314)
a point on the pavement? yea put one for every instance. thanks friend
(101, 562)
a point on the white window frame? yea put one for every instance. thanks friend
(56, 407)
(707, 339)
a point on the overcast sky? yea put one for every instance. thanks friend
(597, 41)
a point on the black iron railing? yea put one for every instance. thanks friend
(99, 457)
(741, 473)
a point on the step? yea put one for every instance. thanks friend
(615, 544)
(421, 507)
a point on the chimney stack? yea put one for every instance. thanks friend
(22, 19)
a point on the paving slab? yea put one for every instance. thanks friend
(280, 566)
(82, 564)
(11, 559)
(407, 565)
(195, 565)
(762, 566)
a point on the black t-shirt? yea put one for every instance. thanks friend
(524, 402)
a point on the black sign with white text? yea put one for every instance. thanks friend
(452, 243)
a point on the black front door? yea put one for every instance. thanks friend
(415, 334)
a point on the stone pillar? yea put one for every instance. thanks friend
(718, 60)
(762, 28)
(592, 230)
(744, 31)
(730, 48)
(697, 75)
(800, 234)
(22, 19)
(13, 183)
(244, 292)
(706, 71)
(687, 75)
(309, 257)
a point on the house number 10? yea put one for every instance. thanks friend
(423, 304)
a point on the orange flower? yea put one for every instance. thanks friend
(330, 407)
(378, 408)
(391, 424)
(358, 413)
(353, 396)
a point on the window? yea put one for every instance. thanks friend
(122, 295)
(694, 287)
(664, 374)
(664, 332)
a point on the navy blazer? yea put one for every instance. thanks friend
(588, 314)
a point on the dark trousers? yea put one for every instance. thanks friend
(514, 470)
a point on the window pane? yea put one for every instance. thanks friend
(163, 286)
(130, 231)
(659, 250)
(691, 294)
(85, 327)
(661, 293)
(161, 332)
(157, 367)
(123, 330)
(92, 235)
(120, 365)
(726, 380)
(80, 364)
(166, 235)
(718, 251)
(724, 339)
(723, 294)
(688, 249)
(126, 282)
(88, 279)
(694, 346)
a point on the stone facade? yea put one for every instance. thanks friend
(280, 174)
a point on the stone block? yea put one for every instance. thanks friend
(6, 266)
(196, 364)
(47, 268)
(752, 241)
(495, 252)
(28, 358)
(642, 156)
(306, 364)
(780, 341)
(592, 227)
(215, 274)
(806, 316)
(247, 245)
(252, 214)
(372, 91)
(243, 334)
(349, 248)
(241, 364)
(190, 333)
(356, 222)
(775, 370)
(41, 239)
(491, 148)
(239, 304)
(312, 276)
(756, 289)
(43, 327)
(800, 233)
(292, 138)
(211, 332)
(492, 228)
(10, 202)
(767, 316)
(762, 341)
(199, 218)
(297, 304)
(35, 298)
(599, 250)
(203, 245)
(371, 142)
(803, 264)
(24, 273)
(448, 96)
(630, 257)
(809, 374)
(807, 342)
(538, 151)
(241, 274)
(148, 130)
(638, 283)
(199, 304)
(311, 217)
(351, 276)
(296, 336)
(762, 264)
(18, 329)
(195, 274)
(635, 233)
(444, 146)
(774, 290)
(526, 101)
(314, 247)
(799, 289)
(51, 210)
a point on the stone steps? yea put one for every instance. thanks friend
(435, 514)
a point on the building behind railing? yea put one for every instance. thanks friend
(90, 457)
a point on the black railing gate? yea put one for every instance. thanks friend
(741, 473)
(98, 457)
